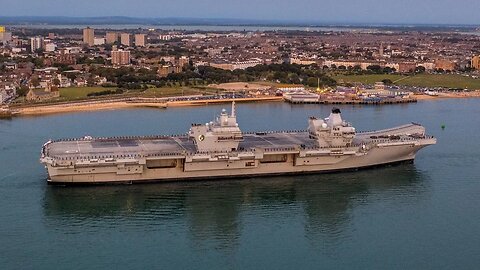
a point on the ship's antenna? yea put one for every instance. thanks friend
(233, 108)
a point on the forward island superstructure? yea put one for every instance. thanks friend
(219, 149)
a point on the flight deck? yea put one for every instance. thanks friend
(125, 146)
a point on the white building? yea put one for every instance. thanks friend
(246, 64)
(64, 81)
(98, 41)
(50, 47)
(300, 61)
(18, 50)
(292, 89)
(298, 95)
(72, 50)
(165, 37)
(36, 43)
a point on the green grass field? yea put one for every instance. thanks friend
(173, 91)
(77, 93)
(72, 93)
(279, 85)
(444, 80)
(366, 79)
(421, 80)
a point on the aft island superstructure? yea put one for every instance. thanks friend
(219, 149)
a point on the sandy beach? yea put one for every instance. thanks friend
(473, 94)
(112, 105)
(145, 103)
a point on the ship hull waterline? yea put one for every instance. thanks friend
(376, 158)
(227, 177)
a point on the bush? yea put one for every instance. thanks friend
(106, 92)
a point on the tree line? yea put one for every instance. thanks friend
(131, 78)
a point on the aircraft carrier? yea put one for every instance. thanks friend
(219, 149)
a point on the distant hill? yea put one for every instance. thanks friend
(121, 20)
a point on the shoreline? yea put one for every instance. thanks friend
(475, 94)
(122, 104)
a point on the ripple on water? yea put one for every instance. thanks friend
(406, 211)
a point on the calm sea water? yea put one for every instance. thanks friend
(419, 216)
(198, 27)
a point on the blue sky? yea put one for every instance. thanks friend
(336, 11)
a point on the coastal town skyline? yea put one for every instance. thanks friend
(305, 11)
(171, 67)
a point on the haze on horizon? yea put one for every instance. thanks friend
(319, 11)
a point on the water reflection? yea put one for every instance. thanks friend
(216, 212)
(329, 206)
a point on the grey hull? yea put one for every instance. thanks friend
(228, 177)
(219, 150)
(138, 171)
